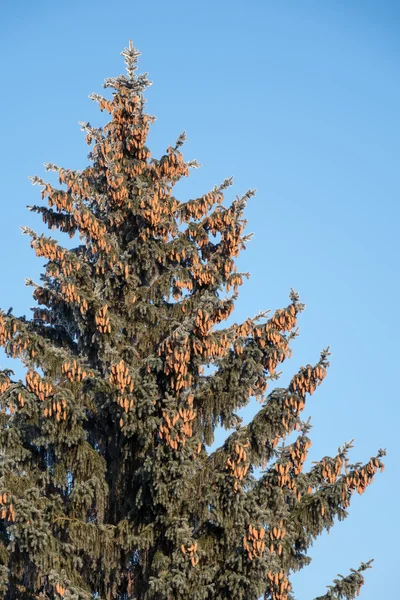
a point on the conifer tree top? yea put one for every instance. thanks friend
(107, 488)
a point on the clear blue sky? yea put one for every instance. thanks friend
(298, 99)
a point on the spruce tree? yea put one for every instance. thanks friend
(107, 489)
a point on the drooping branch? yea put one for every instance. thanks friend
(347, 587)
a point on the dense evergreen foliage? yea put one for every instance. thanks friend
(106, 487)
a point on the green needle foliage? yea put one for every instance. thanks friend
(107, 490)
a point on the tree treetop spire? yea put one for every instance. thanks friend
(136, 83)
(131, 55)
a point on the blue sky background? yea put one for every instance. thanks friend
(298, 99)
